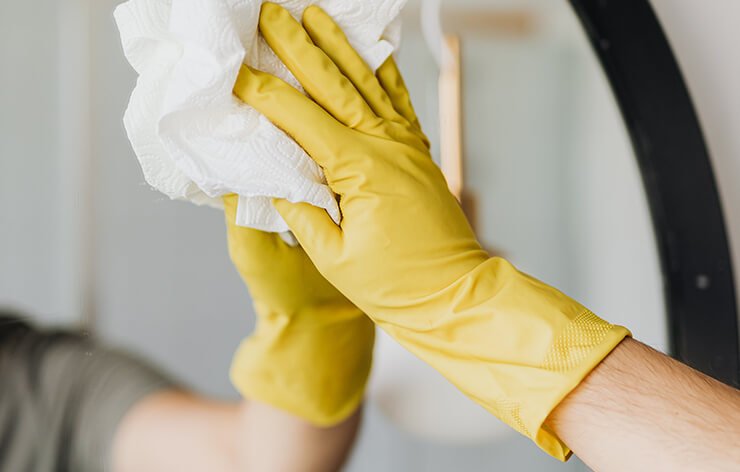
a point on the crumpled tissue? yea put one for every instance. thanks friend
(194, 139)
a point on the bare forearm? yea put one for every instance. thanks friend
(175, 430)
(179, 431)
(276, 441)
(641, 410)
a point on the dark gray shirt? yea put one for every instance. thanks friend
(62, 397)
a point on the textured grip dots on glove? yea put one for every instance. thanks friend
(573, 346)
(576, 342)
(508, 412)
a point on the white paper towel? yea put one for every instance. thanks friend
(195, 140)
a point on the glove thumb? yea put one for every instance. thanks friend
(312, 227)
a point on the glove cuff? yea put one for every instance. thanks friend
(510, 342)
(316, 370)
(576, 351)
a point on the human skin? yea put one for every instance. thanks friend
(641, 410)
(176, 430)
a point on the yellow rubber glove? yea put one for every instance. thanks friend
(404, 252)
(311, 351)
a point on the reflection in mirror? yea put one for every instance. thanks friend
(520, 117)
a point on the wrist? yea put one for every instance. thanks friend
(509, 341)
(313, 364)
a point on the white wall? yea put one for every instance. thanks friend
(29, 274)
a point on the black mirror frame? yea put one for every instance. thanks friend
(678, 179)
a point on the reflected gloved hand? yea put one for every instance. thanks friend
(312, 348)
(404, 252)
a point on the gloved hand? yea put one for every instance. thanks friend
(311, 351)
(404, 252)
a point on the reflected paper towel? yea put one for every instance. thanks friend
(195, 140)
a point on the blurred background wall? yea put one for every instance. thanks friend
(82, 237)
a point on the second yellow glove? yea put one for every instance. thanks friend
(311, 351)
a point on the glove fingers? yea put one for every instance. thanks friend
(291, 111)
(312, 226)
(316, 72)
(328, 36)
(392, 82)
